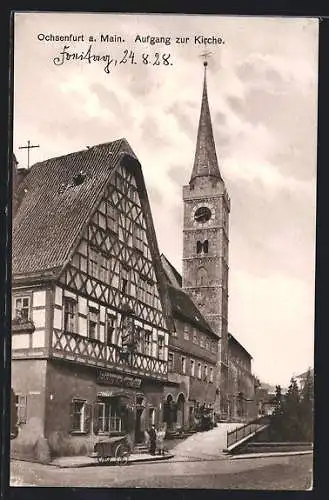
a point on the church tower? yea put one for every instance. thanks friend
(206, 243)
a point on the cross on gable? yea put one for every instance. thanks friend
(28, 147)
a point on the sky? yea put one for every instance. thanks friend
(262, 91)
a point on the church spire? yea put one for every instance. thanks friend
(205, 160)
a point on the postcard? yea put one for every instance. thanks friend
(163, 250)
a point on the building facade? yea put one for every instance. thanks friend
(192, 358)
(206, 244)
(91, 311)
(242, 404)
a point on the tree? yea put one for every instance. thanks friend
(307, 406)
(291, 413)
(277, 420)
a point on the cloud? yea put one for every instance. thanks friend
(262, 89)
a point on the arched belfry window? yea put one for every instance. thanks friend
(202, 246)
(202, 276)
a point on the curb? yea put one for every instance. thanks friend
(273, 454)
(95, 463)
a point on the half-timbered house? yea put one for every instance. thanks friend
(91, 310)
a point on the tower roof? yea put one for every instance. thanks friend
(205, 160)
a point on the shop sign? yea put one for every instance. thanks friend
(106, 377)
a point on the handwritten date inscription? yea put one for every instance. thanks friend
(126, 57)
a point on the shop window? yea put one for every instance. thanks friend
(93, 323)
(70, 315)
(80, 416)
(21, 408)
(109, 415)
(22, 308)
(170, 361)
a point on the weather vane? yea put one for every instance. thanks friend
(205, 56)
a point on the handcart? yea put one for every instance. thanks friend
(113, 450)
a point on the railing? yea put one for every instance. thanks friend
(245, 430)
(74, 347)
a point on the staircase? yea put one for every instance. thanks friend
(141, 448)
(241, 435)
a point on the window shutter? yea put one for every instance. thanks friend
(87, 418)
(24, 409)
(96, 416)
(72, 416)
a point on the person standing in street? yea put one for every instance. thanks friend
(153, 437)
(160, 439)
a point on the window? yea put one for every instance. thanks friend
(186, 333)
(183, 365)
(22, 308)
(125, 280)
(207, 344)
(199, 370)
(211, 374)
(21, 405)
(109, 415)
(170, 361)
(80, 417)
(148, 343)
(192, 367)
(110, 329)
(205, 372)
(104, 269)
(213, 347)
(202, 246)
(112, 218)
(70, 315)
(142, 285)
(195, 337)
(93, 323)
(201, 341)
(160, 347)
(138, 238)
(202, 277)
(93, 263)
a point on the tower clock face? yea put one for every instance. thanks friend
(203, 214)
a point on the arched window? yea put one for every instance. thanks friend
(202, 276)
(202, 246)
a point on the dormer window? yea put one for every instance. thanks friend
(79, 178)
